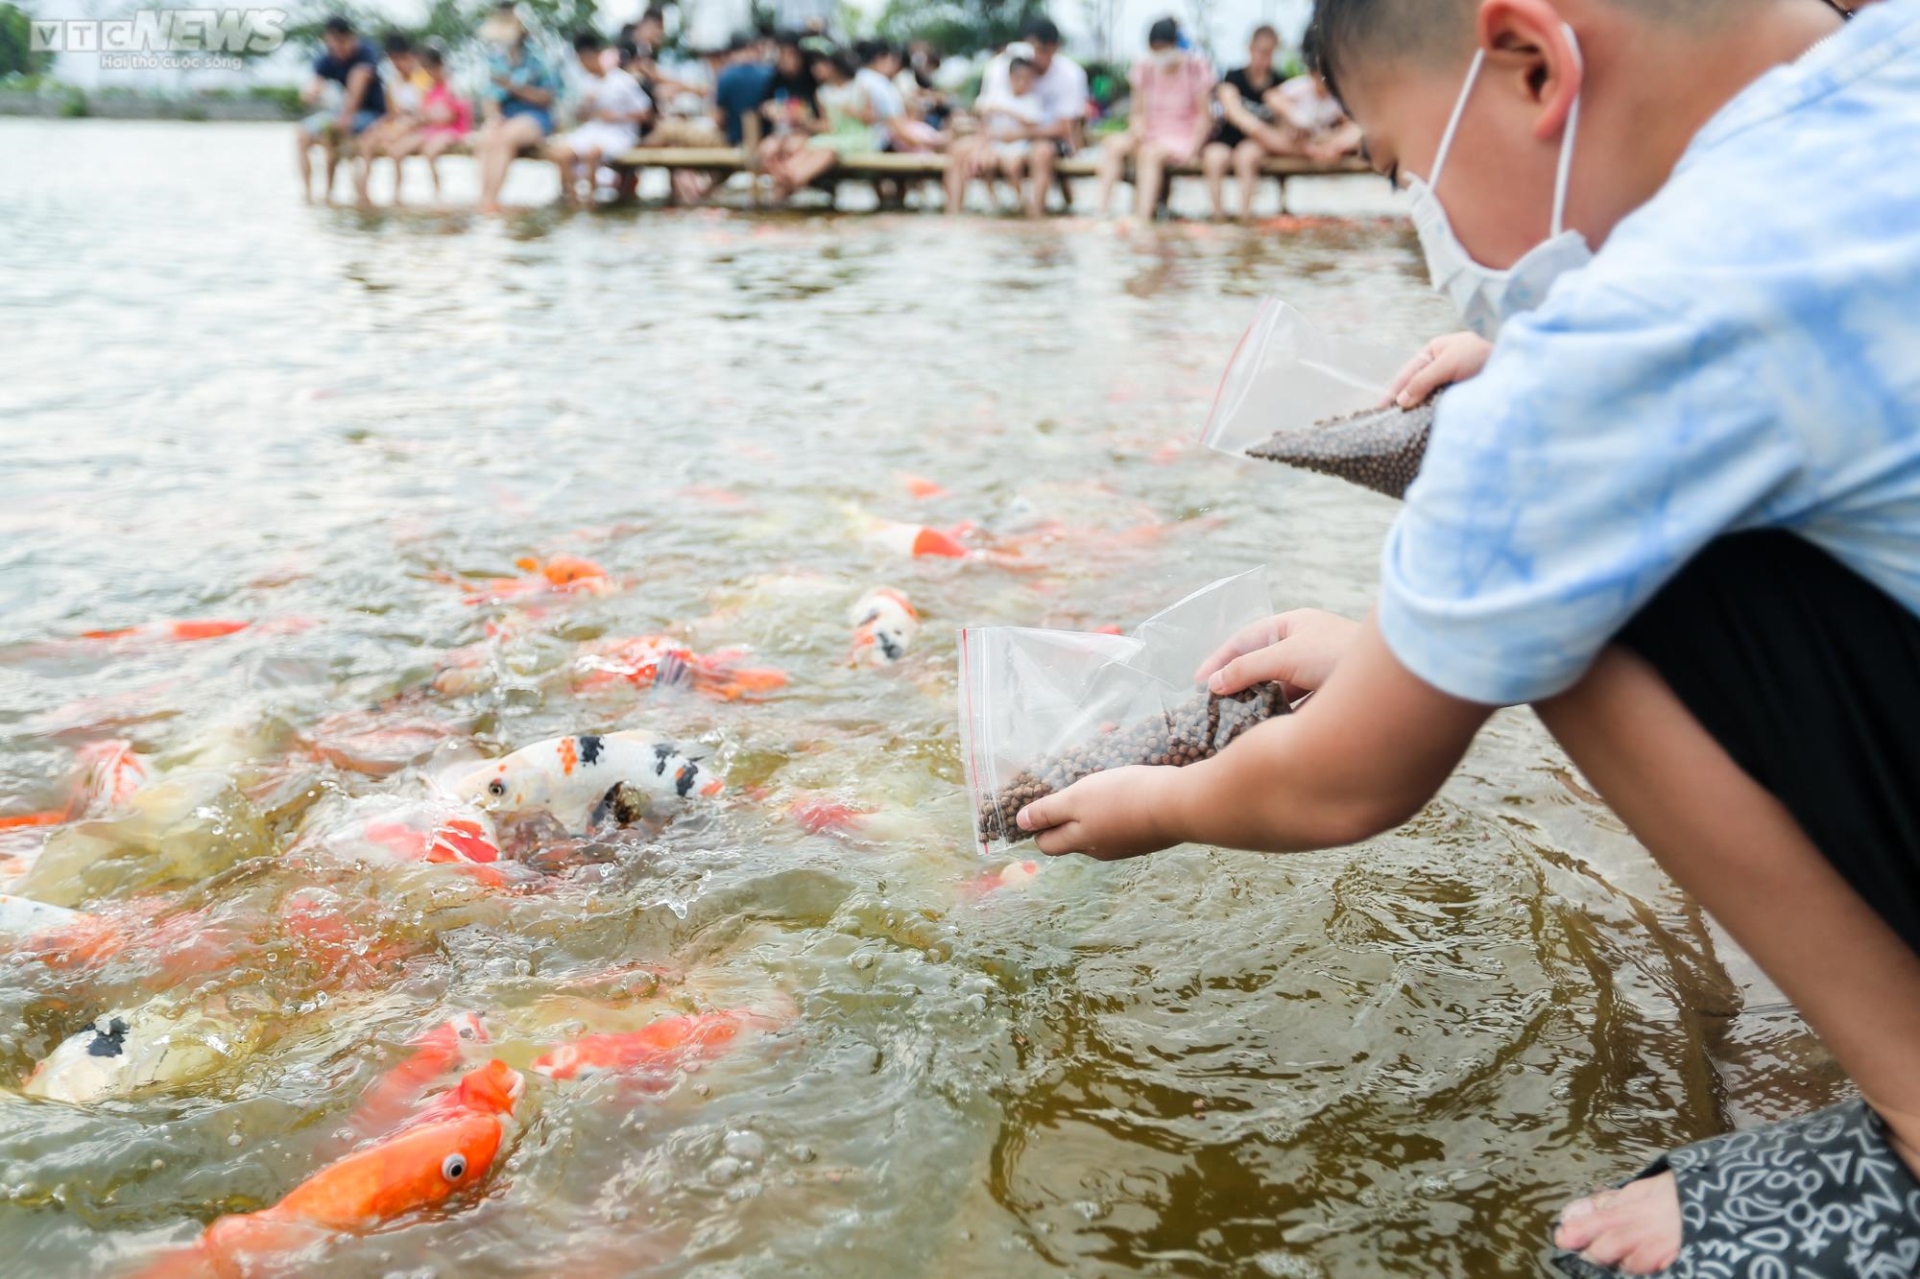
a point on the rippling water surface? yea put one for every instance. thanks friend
(1396, 1059)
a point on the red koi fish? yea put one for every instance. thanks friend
(1012, 875)
(919, 540)
(448, 1147)
(664, 1046)
(648, 660)
(433, 834)
(920, 488)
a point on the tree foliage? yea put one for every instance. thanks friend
(17, 57)
(453, 21)
(957, 26)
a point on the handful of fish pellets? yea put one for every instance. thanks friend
(1197, 729)
(1379, 449)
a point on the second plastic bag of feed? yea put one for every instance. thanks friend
(1041, 709)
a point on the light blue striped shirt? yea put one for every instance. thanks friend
(1744, 352)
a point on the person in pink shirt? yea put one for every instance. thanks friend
(1171, 118)
(446, 119)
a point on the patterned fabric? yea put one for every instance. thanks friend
(1822, 1197)
(1741, 353)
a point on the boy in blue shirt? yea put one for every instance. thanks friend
(1678, 513)
(351, 63)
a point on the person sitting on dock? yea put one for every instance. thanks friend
(1248, 131)
(846, 129)
(1061, 84)
(406, 84)
(1170, 119)
(351, 64)
(610, 110)
(790, 112)
(518, 107)
(1010, 120)
(1678, 513)
(445, 119)
(740, 88)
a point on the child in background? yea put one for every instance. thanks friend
(611, 109)
(445, 117)
(1010, 119)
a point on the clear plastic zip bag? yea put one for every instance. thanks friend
(1042, 709)
(1294, 395)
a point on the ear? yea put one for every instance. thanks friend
(1528, 46)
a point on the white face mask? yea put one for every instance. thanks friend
(1487, 298)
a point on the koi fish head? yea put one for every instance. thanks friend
(515, 784)
(885, 623)
(110, 774)
(491, 1089)
(415, 1168)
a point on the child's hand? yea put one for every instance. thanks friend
(1445, 360)
(1299, 649)
(1109, 816)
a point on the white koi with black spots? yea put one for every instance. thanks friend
(584, 780)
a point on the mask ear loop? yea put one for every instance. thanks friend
(1459, 109)
(1565, 175)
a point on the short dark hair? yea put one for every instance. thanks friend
(1264, 29)
(337, 25)
(1165, 31)
(587, 40)
(867, 52)
(432, 56)
(396, 42)
(1042, 31)
(1021, 64)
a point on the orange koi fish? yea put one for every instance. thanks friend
(1012, 875)
(818, 815)
(180, 632)
(557, 575)
(435, 1052)
(920, 488)
(374, 742)
(648, 660)
(110, 773)
(663, 1046)
(450, 1146)
(884, 625)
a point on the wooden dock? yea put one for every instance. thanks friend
(724, 162)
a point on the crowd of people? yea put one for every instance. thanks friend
(800, 104)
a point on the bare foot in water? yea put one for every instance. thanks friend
(1635, 1229)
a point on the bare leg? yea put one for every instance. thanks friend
(1149, 172)
(500, 142)
(1012, 167)
(590, 165)
(811, 165)
(1247, 158)
(332, 151)
(1043, 157)
(959, 170)
(1740, 853)
(303, 150)
(1213, 165)
(563, 160)
(1113, 161)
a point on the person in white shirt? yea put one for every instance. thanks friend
(1010, 119)
(1061, 85)
(611, 109)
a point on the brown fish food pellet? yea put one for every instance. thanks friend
(1198, 729)
(1378, 449)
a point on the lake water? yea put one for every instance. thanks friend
(1397, 1059)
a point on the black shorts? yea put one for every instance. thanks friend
(1808, 676)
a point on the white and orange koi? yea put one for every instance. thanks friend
(555, 575)
(586, 779)
(885, 623)
(432, 832)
